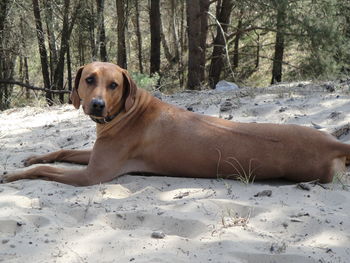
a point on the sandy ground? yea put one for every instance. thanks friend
(161, 219)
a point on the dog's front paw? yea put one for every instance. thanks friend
(6, 177)
(3, 177)
(32, 160)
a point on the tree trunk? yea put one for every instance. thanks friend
(194, 45)
(51, 37)
(101, 31)
(21, 52)
(65, 36)
(217, 61)
(42, 51)
(258, 46)
(218, 8)
(155, 24)
(92, 33)
(237, 39)
(138, 36)
(20, 69)
(183, 47)
(7, 72)
(166, 49)
(59, 71)
(204, 8)
(26, 76)
(122, 58)
(3, 15)
(175, 37)
(197, 24)
(279, 44)
(24, 58)
(81, 52)
(69, 69)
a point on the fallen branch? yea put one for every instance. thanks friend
(27, 86)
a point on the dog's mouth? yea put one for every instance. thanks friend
(97, 113)
(96, 116)
(99, 119)
(105, 119)
(92, 113)
(102, 119)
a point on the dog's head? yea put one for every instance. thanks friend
(103, 89)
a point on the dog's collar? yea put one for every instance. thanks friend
(106, 119)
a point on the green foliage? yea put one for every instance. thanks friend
(145, 81)
(323, 40)
(317, 37)
(316, 42)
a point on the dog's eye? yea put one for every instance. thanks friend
(113, 85)
(90, 80)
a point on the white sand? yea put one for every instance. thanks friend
(203, 220)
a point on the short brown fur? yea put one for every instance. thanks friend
(151, 136)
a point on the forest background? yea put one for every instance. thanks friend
(170, 45)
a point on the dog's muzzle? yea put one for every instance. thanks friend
(97, 105)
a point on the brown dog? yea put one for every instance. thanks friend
(139, 133)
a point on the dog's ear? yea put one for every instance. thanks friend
(74, 96)
(129, 89)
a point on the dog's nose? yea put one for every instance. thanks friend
(96, 106)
